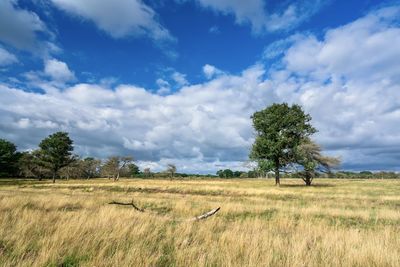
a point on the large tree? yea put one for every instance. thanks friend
(56, 151)
(8, 159)
(280, 129)
(309, 156)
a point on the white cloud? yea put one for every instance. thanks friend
(179, 78)
(256, 13)
(210, 71)
(207, 121)
(119, 19)
(366, 48)
(164, 87)
(207, 126)
(58, 70)
(19, 27)
(6, 58)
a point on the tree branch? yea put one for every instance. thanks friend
(197, 218)
(205, 215)
(127, 204)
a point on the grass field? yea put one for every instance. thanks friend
(334, 223)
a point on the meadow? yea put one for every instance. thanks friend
(70, 223)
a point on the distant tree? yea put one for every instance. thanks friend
(115, 165)
(309, 156)
(133, 169)
(31, 165)
(147, 172)
(110, 167)
(73, 169)
(244, 175)
(90, 167)
(56, 152)
(237, 173)
(280, 128)
(171, 169)
(252, 174)
(8, 159)
(227, 173)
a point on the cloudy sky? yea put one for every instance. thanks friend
(176, 81)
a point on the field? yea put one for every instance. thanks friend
(70, 223)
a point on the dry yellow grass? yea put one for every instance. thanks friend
(335, 223)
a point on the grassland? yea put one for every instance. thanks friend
(334, 223)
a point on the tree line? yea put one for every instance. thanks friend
(54, 158)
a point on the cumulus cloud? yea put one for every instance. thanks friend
(19, 27)
(210, 71)
(256, 13)
(351, 89)
(6, 58)
(366, 49)
(58, 70)
(205, 122)
(119, 19)
(179, 78)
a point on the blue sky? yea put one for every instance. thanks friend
(176, 81)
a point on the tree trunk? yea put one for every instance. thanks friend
(277, 178)
(117, 178)
(54, 177)
(308, 178)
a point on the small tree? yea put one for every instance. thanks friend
(147, 172)
(56, 152)
(133, 169)
(8, 159)
(90, 167)
(280, 128)
(309, 156)
(32, 166)
(171, 169)
(73, 169)
(114, 165)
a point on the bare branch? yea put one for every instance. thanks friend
(197, 218)
(127, 204)
(205, 215)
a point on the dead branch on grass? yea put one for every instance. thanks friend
(197, 218)
(127, 204)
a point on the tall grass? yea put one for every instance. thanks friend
(335, 223)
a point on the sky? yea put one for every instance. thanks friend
(176, 81)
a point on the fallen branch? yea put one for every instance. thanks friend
(205, 215)
(197, 218)
(127, 204)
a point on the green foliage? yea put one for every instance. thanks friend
(56, 151)
(280, 128)
(8, 159)
(32, 166)
(133, 170)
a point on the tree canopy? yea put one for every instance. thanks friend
(8, 159)
(56, 151)
(280, 129)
